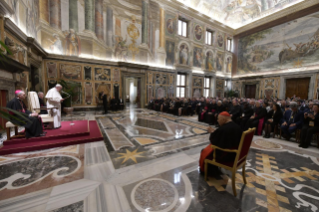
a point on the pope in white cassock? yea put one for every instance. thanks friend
(54, 99)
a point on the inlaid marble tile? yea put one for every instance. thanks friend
(34, 171)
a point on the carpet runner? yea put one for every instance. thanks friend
(81, 132)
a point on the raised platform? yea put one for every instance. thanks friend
(81, 132)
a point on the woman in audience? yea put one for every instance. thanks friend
(276, 115)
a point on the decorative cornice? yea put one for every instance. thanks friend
(285, 12)
(5, 9)
(15, 30)
(33, 44)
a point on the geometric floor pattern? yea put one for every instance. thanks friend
(153, 166)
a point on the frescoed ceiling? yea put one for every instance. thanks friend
(238, 13)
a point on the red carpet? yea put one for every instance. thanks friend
(81, 132)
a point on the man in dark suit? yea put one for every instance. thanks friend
(247, 112)
(235, 111)
(103, 97)
(292, 120)
(42, 103)
(114, 105)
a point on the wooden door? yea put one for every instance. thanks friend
(250, 91)
(298, 87)
(3, 103)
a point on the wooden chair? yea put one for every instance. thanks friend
(316, 137)
(297, 134)
(240, 160)
(277, 131)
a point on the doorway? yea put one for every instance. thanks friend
(133, 92)
(250, 91)
(298, 87)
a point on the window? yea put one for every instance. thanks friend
(225, 83)
(182, 28)
(181, 85)
(229, 44)
(206, 86)
(209, 37)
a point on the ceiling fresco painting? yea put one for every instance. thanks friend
(238, 13)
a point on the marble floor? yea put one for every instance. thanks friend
(148, 161)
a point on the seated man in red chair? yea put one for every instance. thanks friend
(33, 127)
(227, 136)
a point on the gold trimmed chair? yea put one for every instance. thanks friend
(240, 160)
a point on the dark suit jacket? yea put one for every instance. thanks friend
(236, 111)
(260, 113)
(298, 118)
(316, 120)
(277, 116)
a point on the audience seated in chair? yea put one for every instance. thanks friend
(34, 126)
(42, 103)
(227, 136)
(235, 111)
(254, 121)
(310, 126)
(292, 120)
(275, 117)
(245, 116)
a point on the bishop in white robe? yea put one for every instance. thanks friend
(54, 99)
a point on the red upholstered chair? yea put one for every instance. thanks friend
(240, 160)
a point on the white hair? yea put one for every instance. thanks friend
(40, 92)
(58, 85)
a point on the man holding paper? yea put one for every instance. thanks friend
(54, 99)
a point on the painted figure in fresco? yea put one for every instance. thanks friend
(183, 55)
(209, 61)
(132, 30)
(121, 49)
(219, 62)
(170, 55)
(170, 26)
(102, 74)
(198, 32)
(220, 41)
(229, 65)
(56, 46)
(73, 44)
(31, 18)
(197, 58)
(134, 34)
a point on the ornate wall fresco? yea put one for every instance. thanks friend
(160, 85)
(293, 45)
(198, 86)
(220, 84)
(237, 13)
(120, 30)
(92, 83)
(269, 88)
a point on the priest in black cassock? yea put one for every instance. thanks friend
(227, 136)
(33, 127)
(42, 102)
